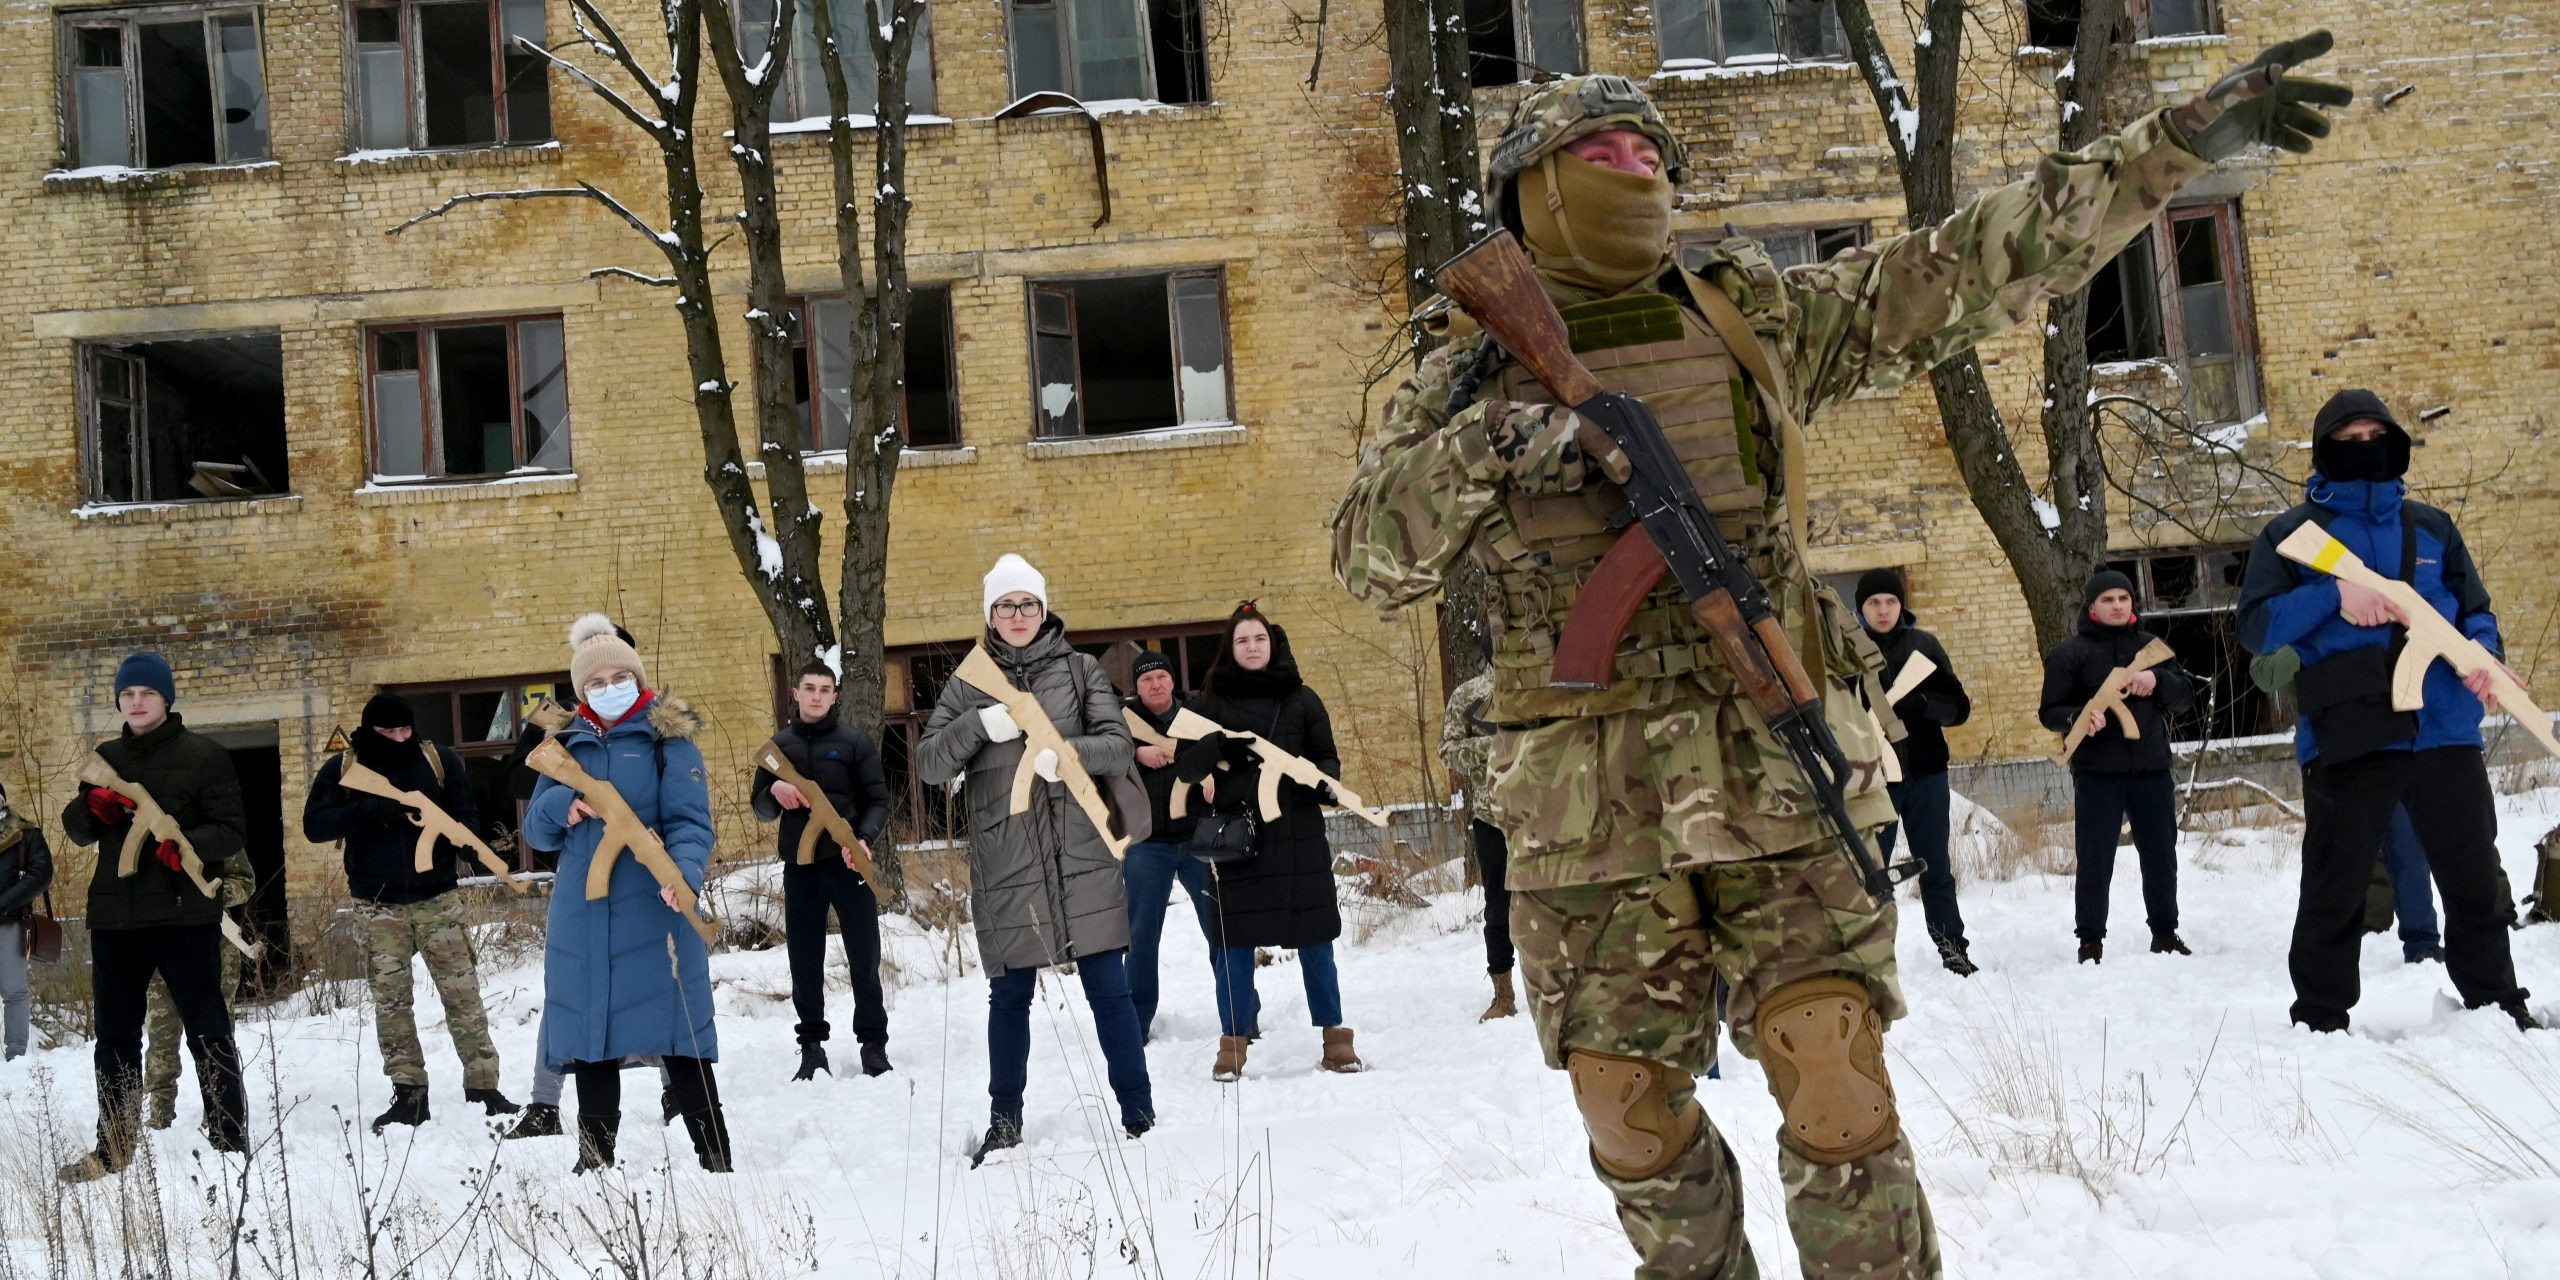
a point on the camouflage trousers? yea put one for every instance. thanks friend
(163, 1036)
(434, 930)
(1632, 968)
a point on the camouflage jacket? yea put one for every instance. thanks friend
(1464, 744)
(1870, 318)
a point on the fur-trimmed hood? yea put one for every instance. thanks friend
(674, 718)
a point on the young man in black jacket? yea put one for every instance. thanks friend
(1927, 712)
(402, 911)
(2114, 777)
(157, 920)
(841, 760)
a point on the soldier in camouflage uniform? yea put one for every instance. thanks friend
(161, 1033)
(402, 911)
(1659, 837)
(1464, 739)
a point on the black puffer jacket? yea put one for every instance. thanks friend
(2074, 671)
(1283, 896)
(1939, 704)
(190, 775)
(844, 764)
(381, 842)
(26, 868)
(1168, 829)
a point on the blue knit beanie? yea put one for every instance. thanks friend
(150, 671)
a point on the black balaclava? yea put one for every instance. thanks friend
(2386, 458)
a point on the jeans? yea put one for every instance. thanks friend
(2413, 900)
(188, 958)
(1240, 1006)
(1149, 872)
(1922, 802)
(808, 894)
(13, 990)
(1493, 863)
(2100, 805)
(1115, 1023)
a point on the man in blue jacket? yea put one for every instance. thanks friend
(2361, 758)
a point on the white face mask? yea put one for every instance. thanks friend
(612, 701)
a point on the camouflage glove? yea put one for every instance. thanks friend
(239, 882)
(2274, 672)
(1545, 448)
(2260, 103)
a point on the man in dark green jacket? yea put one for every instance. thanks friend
(157, 920)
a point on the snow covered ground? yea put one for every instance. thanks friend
(2153, 1117)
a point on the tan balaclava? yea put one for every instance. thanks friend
(1592, 227)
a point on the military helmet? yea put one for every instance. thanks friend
(1555, 114)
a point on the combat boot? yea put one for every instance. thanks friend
(813, 1059)
(1230, 1063)
(90, 1167)
(1952, 955)
(2092, 951)
(408, 1106)
(875, 1060)
(596, 1135)
(1504, 1003)
(492, 1102)
(2167, 942)
(1337, 1051)
(538, 1120)
(1002, 1133)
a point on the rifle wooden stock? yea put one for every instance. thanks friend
(2431, 635)
(150, 823)
(549, 716)
(433, 822)
(623, 830)
(2111, 696)
(1497, 286)
(1178, 805)
(981, 673)
(823, 817)
(1277, 763)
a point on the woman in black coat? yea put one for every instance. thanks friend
(1284, 895)
(26, 871)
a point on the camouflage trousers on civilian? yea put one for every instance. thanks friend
(1631, 968)
(434, 930)
(163, 1037)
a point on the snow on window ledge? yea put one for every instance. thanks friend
(861, 120)
(388, 491)
(492, 156)
(1190, 435)
(830, 462)
(1745, 67)
(199, 509)
(110, 177)
(2192, 40)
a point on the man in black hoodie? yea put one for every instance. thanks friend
(1927, 712)
(840, 759)
(2114, 777)
(402, 911)
(157, 920)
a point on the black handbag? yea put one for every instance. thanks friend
(1227, 839)
(2347, 697)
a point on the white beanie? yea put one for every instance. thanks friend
(593, 647)
(1013, 573)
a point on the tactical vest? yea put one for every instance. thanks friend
(1650, 347)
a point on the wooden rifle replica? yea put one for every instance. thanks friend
(981, 673)
(432, 822)
(2111, 695)
(823, 818)
(1919, 668)
(1179, 805)
(1277, 764)
(1667, 530)
(149, 825)
(623, 830)
(2431, 635)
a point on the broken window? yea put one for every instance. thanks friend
(172, 420)
(1748, 31)
(2180, 17)
(1786, 246)
(2181, 291)
(929, 415)
(802, 94)
(448, 73)
(2190, 597)
(2053, 24)
(1128, 353)
(477, 398)
(159, 88)
(1509, 41)
(1105, 50)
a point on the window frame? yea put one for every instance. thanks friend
(1713, 11)
(803, 314)
(1062, 285)
(1527, 58)
(800, 79)
(92, 436)
(127, 21)
(2140, 14)
(412, 92)
(1067, 71)
(511, 688)
(430, 405)
(2169, 314)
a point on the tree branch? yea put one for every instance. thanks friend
(662, 241)
(661, 282)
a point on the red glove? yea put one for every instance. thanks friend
(167, 853)
(108, 807)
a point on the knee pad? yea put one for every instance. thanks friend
(1626, 1108)
(1822, 1043)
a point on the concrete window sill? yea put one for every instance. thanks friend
(1199, 435)
(174, 512)
(490, 157)
(402, 495)
(831, 462)
(119, 178)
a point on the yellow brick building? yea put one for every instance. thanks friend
(430, 452)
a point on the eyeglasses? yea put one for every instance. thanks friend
(1017, 609)
(602, 683)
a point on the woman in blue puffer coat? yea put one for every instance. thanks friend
(625, 975)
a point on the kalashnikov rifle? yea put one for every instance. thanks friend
(1919, 668)
(2111, 695)
(432, 822)
(1668, 530)
(823, 817)
(623, 830)
(1179, 805)
(1191, 726)
(982, 674)
(150, 823)
(2431, 635)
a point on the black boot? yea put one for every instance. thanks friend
(2167, 942)
(539, 1120)
(709, 1129)
(595, 1141)
(813, 1059)
(1952, 955)
(408, 1106)
(667, 1108)
(1001, 1134)
(875, 1060)
(1136, 1121)
(2513, 1007)
(491, 1102)
(2092, 951)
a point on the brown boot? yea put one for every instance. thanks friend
(1230, 1063)
(1504, 1003)
(1337, 1051)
